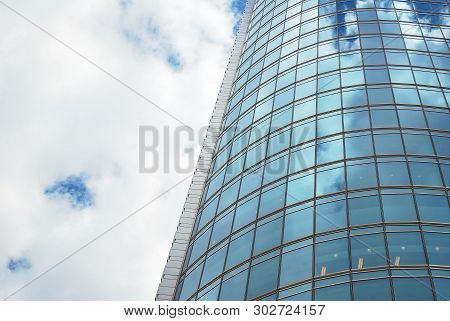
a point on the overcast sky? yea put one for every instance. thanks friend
(69, 136)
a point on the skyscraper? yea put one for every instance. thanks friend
(325, 172)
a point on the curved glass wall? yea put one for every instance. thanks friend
(330, 177)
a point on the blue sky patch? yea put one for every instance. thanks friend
(74, 189)
(22, 263)
(174, 61)
(237, 6)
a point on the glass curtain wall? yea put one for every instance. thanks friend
(330, 177)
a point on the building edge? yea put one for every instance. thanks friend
(167, 286)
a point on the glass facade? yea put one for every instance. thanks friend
(330, 176)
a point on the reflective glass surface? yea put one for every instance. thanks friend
(330, 176)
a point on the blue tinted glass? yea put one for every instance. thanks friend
(329, 151)
(232, 289)
(213, 266)
(409, 289)
(267, 236)
(359, 146)
(399, 208)
(298, 224)
(405, 249)
(384, 118)
(339, 292)
(388, 144)
(239, 250)
(425, 174)
(433, 208)
(442, 287)
(438, 248)
(331, 257)
(361, 176)
(330, 181)
(355, 121)
(272, 200)
(190, 283)
(263, 278)
(300, 189)
(393, 174)
(372, 290)
(418, 144)
(364, 210)
(331, 216)
(368, 251)
(221, 229)
(296, 266)
(245, 213)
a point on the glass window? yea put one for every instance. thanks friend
(380, 95)
(442, 287)
(329, 151)
(329, 101)
(359, 146)
(364, 210)
(268, 236)
(438, 248)
(361, 176)
(438, 120)
(250, 182)
(393, 174)
(272, 200)
(330, 181)
(296, 266)
(200, 245)
(402, 75)
(339, 292)
(245, 213)
(418, 144)
(433, 208)
(232, 289)
(372, 290)
(376, 75)
(409, 289)
(298, 224)
(331, 216)
(412, 118)
(425, 174)
(352, 78)
(239, 249)
(329, 125)
(263, 278)
(355, 121)
(405, 249)
(190, 283)
(406, 96)
(300, 189)
(221, 229)
(228, 196)
(331, 257)
(368, 251)
(213, 266)
(384, 118)
(388, 144)
(399, 208)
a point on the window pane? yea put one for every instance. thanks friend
(339, 292)
(300, 189)
(368, 251)
(361, 176)
(296, 266)
(364, 210)
(409, 289)
(272, 200)
(355, 121)
(373, 290)
(331, 216)
(399, 208)
(438, 248)
(331, 257)
(418, 144)
(267, 236)
(393, 174)
(433, 208)
(384, 118)
(358, 146)
(213, 266)
(233, 289)
(405, 248)
(298, 224)
(330, 181)
(245, 213)
(442, 287)
(425, 174)
(263, 278)
(239, 250)
(388, 144)
(329, 151)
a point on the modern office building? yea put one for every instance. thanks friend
(325, 172)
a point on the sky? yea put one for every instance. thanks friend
(77, 80)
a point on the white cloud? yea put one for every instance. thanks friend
(61, 116)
